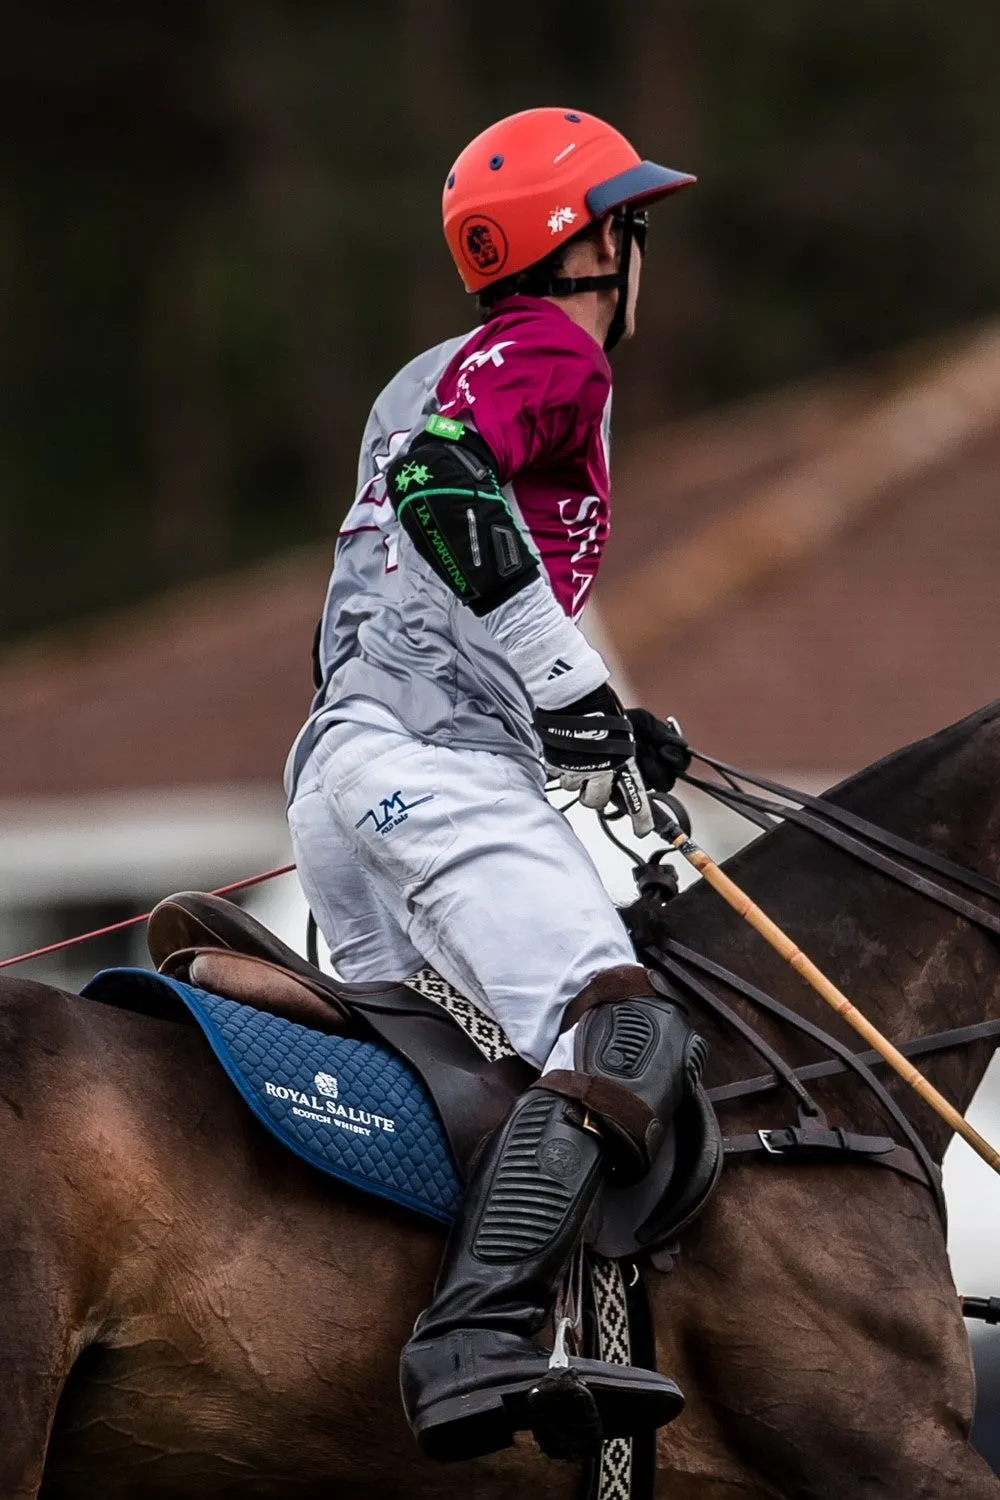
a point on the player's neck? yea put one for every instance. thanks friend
(591, 311)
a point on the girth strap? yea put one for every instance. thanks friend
(798, 1143)
(921, 1046)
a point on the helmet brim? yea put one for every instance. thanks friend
(644, 183)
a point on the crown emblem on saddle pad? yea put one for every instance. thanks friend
(326, 1085)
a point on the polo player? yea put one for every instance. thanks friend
(452, 679)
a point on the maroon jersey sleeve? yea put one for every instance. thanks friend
(537, 388)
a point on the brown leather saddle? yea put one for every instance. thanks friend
(211, 943)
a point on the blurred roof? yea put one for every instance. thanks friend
(811, 580)
(807, 580)
(206, 686)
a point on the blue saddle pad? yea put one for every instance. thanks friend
(353, 1109)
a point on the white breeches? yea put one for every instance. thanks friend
(413, 854)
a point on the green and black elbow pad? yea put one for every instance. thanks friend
(445, 491)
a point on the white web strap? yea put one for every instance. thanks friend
(615, 1347)
(614, 1479)
(488, 1035)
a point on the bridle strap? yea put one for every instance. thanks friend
(871, 831)
(845, 831)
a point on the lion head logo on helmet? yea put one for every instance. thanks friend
(484, 245)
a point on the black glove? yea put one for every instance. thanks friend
(586, 738)
(661, 750)
(589, 747)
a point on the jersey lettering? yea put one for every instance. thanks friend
(587, 537)
(581, 588)
(372, 511)
(475, 361)
(493, 355)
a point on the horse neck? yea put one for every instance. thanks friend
(911, 966)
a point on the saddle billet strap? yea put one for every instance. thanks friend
(744, 802)
(675, 967)
(926, 857)
(835, 1147)
(921, 1046)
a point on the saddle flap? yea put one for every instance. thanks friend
(647, 1214)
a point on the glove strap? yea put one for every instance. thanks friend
(608, 736)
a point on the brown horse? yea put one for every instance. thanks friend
(186, 1310)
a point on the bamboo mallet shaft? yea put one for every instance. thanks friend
(782, 943)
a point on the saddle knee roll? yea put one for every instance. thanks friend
(636, 1059)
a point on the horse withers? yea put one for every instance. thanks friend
(187, 1310)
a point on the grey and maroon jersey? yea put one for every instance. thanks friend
(538, 390)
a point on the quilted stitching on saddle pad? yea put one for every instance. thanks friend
(352, 1109)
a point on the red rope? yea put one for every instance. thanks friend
(83, 937)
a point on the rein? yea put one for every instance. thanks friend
(830, 824)
(813, 1139)
(84, 937)
(766, 814)
(677, 960)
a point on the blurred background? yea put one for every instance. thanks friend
(219, 237)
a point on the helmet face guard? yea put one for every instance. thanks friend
(535, 181)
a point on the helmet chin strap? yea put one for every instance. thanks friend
(531, 284)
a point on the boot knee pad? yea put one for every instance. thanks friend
(646, 1045)
(645, 1048)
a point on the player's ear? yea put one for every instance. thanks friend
(607, 242)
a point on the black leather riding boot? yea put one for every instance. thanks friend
(471, 1375)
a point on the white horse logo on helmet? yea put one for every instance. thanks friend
(559, 218)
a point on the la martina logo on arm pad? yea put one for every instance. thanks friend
(444, 427)
(446, 494)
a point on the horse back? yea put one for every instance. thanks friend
(174, 1282)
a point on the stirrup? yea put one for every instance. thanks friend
(571, 1409)
(565, 1421)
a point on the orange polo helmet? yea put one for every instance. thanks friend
(535, 179)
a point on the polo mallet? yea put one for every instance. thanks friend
(670, 830)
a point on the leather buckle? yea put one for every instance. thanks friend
(764, 1136)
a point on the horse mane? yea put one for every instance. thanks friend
(908, 758)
